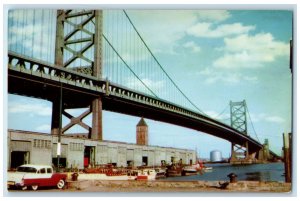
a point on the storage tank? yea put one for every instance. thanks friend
(215, 156)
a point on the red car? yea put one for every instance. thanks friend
(35, 176)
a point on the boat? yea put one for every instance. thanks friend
(106, 172)
(189, 170)
(174, 170)
(207, 169)
(160, 173)
(195, 169)
(146, 174)
(101, 176)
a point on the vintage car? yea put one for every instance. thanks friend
(35, 176)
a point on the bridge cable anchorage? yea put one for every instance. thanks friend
(128, 66)
(252, 124)
(161, 65)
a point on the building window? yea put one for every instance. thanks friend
(76, 146)
(42, 144)
(101, 148)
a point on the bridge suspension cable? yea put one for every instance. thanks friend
(129, 67)
(127, 59)
(31, 32)
(176, 86)
(223, 111)
(252, 124)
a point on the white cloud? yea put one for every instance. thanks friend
(213, 15)
(155, 86)
(18, 14)
(43, 127)
(30, 107)
(267, 118)
(212, 76)
(162, 36)
(32, 32)
(192, 46)
(206, 30)
(275, 119)
(245, 51)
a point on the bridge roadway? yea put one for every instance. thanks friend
(33, 78)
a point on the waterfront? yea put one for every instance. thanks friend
(251, 178)
(254, 172)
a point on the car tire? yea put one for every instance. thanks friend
(60, 184)
(34, 187)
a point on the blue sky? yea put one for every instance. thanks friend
(215, 57)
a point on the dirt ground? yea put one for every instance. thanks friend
(172, 186)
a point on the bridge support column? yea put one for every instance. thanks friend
(55, 117)
(97, 119)
(240, 154)
(264, 153)
(78, 47)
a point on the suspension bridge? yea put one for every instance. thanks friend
(98, 60)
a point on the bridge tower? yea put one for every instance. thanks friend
(238, 119)
(264, 153)
(78, 47)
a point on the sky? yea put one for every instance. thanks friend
(214, 56)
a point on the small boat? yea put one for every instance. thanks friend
(106, 172)
(189, 170)
(195, 169)
(174, 170)
(102, 176)
(207, 169)
(160, 173)
(146, 174)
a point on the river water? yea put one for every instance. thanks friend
(254, 172)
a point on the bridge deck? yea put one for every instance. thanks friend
(44, 81)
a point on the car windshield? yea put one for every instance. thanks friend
(26, 169)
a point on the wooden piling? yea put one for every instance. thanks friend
(287, 147)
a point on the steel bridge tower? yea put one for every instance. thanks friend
(78, 47)
(238, 117)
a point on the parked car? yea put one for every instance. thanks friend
(35, 176)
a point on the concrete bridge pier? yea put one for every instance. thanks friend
(242, 154)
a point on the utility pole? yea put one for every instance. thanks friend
(60, 129)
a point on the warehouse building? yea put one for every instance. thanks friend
(79, 152)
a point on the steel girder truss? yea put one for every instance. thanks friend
(238, 119)
(238, 116)
(78, 47)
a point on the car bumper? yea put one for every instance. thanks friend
(12, 183)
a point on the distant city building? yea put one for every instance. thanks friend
(142, 133)
(215, 156)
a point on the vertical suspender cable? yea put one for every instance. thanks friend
(160, 64)
(252, 124)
